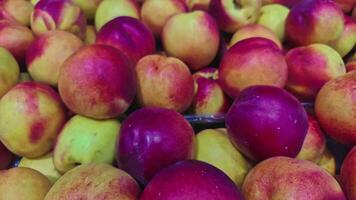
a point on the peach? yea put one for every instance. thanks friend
(346, 5)
(16, 38)
(318, 21)
(9, 71)
(164, 82)
(23, 183)
(274, 16)
(93, 182)
(84, 140)
(196, 52)
(281, 128)
(43, 164)
(97, 81)
(40, 114)
(191, 180)
(328, 162)
(254, 61)
(110, 9)
(348, 174)
(310, 67)
(314, 143)
(6, 157)
(88, 6)
(198, 4)
(16, 10)
(288, 178)
(209, 98)
(335, 107)
(347, 41)
(129, 35)
(49, 15)
(215, 148)
(155, 13)
(152, 139)
(234, 14)
(90, 35)
(48, 52)
(288, 3)
(254, 30)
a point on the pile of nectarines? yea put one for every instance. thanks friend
(177, 99)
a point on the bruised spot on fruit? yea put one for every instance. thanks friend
(36, 49)
(36, 131)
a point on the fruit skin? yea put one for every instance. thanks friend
(215, 148)
(310, 67)
(155, 13)
(198, 4)
(152, 139)
(314, 143)
(347, 41)
(335, 108)
(209, 98)
(254, 30)
(288, 178)
(48, 52)
(129, 35)
(88, 6)
(16, 10)
(196, 52)
(164, 82)
(308, 21)
(84, 140)
(232, 15)
(195, 180)
(15, 38)
(43, 164)
(328, 162)
(348, 174)
(90, 35)
(9, 71)
(274, 16)
(346, 5)
(281, 128)
(351, 64)
(110, 9)
(22, 183)
(95, 181)
(254, 61)
(39, 117)
(49, 15)
(6, 157)
(98, 82)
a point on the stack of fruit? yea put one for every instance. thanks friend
(94, 94)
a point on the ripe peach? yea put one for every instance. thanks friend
(97, 81)
(164, 82)
(310, 67)
(347, 41)
(209, 98)
(335, 107)
(15, 38)
(94, 182)
(196, 52)
(254, 30)
(317, 21)
(40, 114)
(254, 61)
(288, 178)
(128, 35)
(16, 10)
(328, 162)
(90, 35)
(9, 71)
(346, 5)
(348, 174)
(155, 13)
(49, 15)
(48, 52)
(88, 6)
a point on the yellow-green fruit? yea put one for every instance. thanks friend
(84, 140)
(43, 164)
(25, 77)
(88, 6)
(9, 71)
(110, 9)
(90, 35)
(328, 162)
(34, 2)
(215, 148)
(273, 16)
